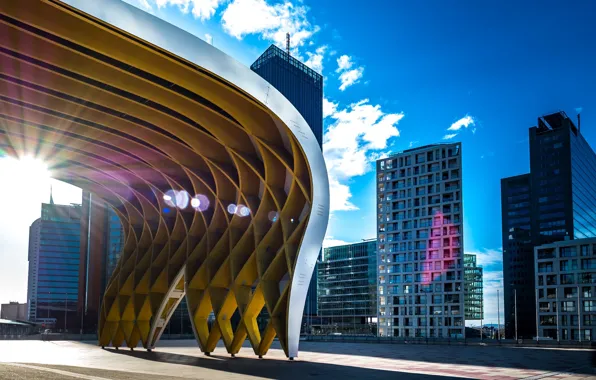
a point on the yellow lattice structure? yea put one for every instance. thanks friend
(129, 120)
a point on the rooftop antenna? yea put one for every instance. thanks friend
(579, 111)
(288, 43)
(51, 196)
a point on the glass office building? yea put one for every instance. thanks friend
(58, 265)
(300, 84)
(420, 243)
(518, 254)
(115, 243)
(554, 202)
(347, 294)
(303, 87)
(473, 289)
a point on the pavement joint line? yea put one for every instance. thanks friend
(568, 371)
(58, 371)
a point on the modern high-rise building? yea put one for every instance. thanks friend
(473, 289)
(300, 84)
(55, 293)
(303, 87)
(420, 242)
(347, 289)
(555, 201)
(102, 240)
(565, 293)
(115, 243)
(33, 272)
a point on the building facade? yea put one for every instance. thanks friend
(58, 266)
(555, 201)
(303, 87)
(420, 243)
(14, 311)
(566, 289)
(518, 255)
(473, 289)
(347, 289)
(33, 270)
(300, 84)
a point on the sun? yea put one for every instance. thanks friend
(24, 171)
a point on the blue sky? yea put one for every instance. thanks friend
(407, 73)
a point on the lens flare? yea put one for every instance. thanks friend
(242, 211)
(203, 202)
(232, 208)
(195, 203)
(182, 199)
(273, 216)
(170, 198)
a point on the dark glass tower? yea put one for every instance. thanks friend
(555, 201)
(303, 87)
(300, 84)
(58, 263)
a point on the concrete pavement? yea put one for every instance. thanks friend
(182, 359)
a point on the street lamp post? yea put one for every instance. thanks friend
(498, 317)
(65, 310)
(579, 317)
(515, 301)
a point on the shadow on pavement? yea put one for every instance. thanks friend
(274, 368)
(550, 360)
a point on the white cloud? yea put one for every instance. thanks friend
(350, 77)
(315, 60)
(464, 122)
(449, 136)
(209, 38)
(331, 242)
(344, 63)
(493, 281)
(202, 9)
(412, 143)
(271, 22)
(488, 257)
(352, 142)
(329, 107)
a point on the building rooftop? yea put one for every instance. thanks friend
(562, 243)
(555, 121)
(420, 148)
(275, 52)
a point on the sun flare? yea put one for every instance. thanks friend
(24, 171)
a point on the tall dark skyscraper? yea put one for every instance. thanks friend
(54, 273)
(300, 84)
(303, 87)
(555, 201)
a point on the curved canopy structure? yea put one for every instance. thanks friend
(219, 182)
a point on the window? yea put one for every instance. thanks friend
(587, 291)
(545, 267)
(568, 306)
(585, 250)
(588, 264)
(587, 278)
(590, 305)
(568, 252)
(567, 279)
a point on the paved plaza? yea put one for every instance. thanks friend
(183, 360)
